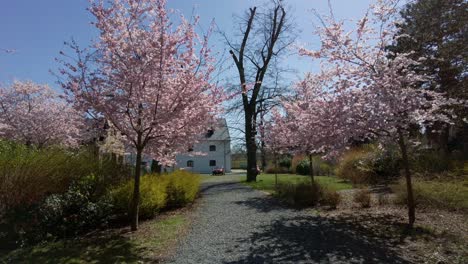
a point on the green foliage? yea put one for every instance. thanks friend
(157, 192)
(75, 211)
(369, 164)
(67, 214)
(152, 196)
(285, 163)
(452, 195)
(363, 198)
(300, 194)
(28, 175)
(182, 188)
(53, 191)
(321, 167)
(429, 161)
(303, 168)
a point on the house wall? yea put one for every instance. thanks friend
(201, 164)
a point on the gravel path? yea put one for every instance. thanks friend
(236, 224)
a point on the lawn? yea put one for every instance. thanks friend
(150, 243)
(266, 182)
(452, 195)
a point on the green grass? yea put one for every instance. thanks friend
(266, 182)
(152, 240)
(439, 194)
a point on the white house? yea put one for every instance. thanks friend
(215, 147)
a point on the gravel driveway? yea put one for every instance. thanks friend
(236, 224)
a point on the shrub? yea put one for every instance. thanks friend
(330, 198)
(299, 194)
(451, 195)
(157, 192)
(152, 196)
(368, 164)
(303, 168)
(28, 175)
(285, 163)
(363, 198)
(272, 169)
(431, 161)
(76, 211)
(182, 188)
(54, 191)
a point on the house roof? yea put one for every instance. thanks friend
(219, 132)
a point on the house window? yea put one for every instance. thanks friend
(190, 163)
(212, 148)
(212, 163)
(190, 149)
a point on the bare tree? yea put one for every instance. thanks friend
(266, 34)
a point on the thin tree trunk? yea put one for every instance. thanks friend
(311, 167)
(251, 148)
(136, 187)
(409, 185)
(276, 170)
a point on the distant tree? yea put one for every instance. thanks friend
(264, 37)
(147, 77)
(34, 114)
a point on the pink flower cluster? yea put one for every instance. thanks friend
(35, 114)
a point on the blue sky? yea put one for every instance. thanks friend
(37, 29)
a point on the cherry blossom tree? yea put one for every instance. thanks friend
(148, 77)
(372, 92)
(34, 114)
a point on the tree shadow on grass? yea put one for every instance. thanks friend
(303, 238)
(113, 248)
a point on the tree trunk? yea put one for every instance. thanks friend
(276, 170)
(251, 148)
(409, 185)
(136, 192)
(263, 154)
(311, 167)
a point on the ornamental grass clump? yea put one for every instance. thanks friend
(301, 194)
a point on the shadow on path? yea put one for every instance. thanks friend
(304, 238)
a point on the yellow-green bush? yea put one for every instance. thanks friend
(445, 195)
(157, 192)
(152, 196)
(182, 188)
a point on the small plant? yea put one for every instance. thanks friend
(301, 194)
(382, 199)
(363, 198)
(330, 198)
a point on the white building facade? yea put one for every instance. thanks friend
(213, 151)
